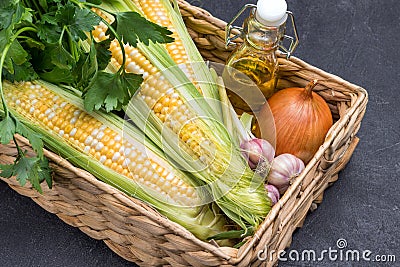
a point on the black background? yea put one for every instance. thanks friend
(357, 40)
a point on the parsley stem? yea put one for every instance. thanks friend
(61, 35)
(72, 47)
(22, 30)
(121, 44)
(28, 4)
(2, 59)
(37, 8)
(114, 32)
(20, 152)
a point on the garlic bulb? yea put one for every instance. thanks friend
(259, 153)
(284, 169)
(273, 193)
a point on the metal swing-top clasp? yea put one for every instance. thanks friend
(294, 41)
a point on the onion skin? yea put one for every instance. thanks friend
(302, 120)
(273, 193)
(284, 169)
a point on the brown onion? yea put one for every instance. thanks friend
(302, 120)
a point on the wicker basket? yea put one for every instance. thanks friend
(139, 234)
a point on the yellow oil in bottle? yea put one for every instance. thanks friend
(264, 74)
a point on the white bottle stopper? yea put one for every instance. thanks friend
(271, 12)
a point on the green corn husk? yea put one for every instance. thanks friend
(234, 186)
(201, 219)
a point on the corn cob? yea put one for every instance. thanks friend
(99, 32)
(170, 107)
(156, 91)
(117, 154)
(155, 12)
(187, 58)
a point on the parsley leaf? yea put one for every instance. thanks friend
(45, 172)
(131, 82)
(5, 36)
(85, 68)
(6, 16)
(61, 58)
(85, 21)
(89, 67)
(49, 18)
(26, 169)
(111, 90)
(34, 176)
(77, 20)
(6, 170)
(65, 14)
(17, 65)
(16, 54)
(97, 94)
(48, 33)
(33, 169)
(32, 43)
(16, 19)
(133, 27)
(57, 76)
(34, 138)
(12, 13)
(22, 169)
(103, 53)
(7, 129)
(23, 72)
(22, 14)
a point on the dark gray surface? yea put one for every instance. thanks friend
(357, 40)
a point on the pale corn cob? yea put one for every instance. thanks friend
(156, 91)
(155, 12)
(220, 163)
(108, 146)
(93, 138)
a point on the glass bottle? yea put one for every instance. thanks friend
(262, 34)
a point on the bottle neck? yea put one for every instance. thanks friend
(262, 37)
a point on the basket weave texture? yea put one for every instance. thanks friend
(139, 234)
